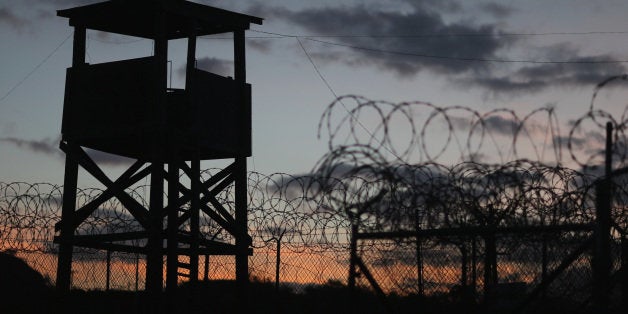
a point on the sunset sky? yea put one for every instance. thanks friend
(520, 55)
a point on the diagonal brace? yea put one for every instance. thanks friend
(134, 207)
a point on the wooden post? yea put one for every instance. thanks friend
(190, 61)
(195, 165)
(195, 205)
(154, 255)
(172, 261)
(242, 243)
(154, 261)
(79, 46)
(64, 262)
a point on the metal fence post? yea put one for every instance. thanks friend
(278, 263)
(353, 247)
(602, 258)
(108, 280)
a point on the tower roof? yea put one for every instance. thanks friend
(140, 18)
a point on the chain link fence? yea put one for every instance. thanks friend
(451, 267)
(517, 234)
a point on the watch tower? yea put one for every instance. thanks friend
(126, 108)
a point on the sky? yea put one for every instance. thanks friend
(482, 55)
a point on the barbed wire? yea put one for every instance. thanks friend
(496, 169)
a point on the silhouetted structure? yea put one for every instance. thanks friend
(126, 108)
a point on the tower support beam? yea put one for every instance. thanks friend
(64, 263)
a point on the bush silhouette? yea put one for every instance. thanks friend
(22, 289)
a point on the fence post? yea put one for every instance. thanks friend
(490, 264)
(419, 254)
(419, 266)
(108, 280)
(353, 246)
(602, 259)
(278, 263)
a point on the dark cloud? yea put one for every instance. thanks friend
(46, 146)
(262, 45)
(588, 147)
(449, 6)
(390, 44)
(493, 123)
(577, 142)
(537, 77)
(497, 10)
(50, 147)
(392, 29)
(213, 65)
(10, 18)
(501, 125)
(45, 14)
(35, 10)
